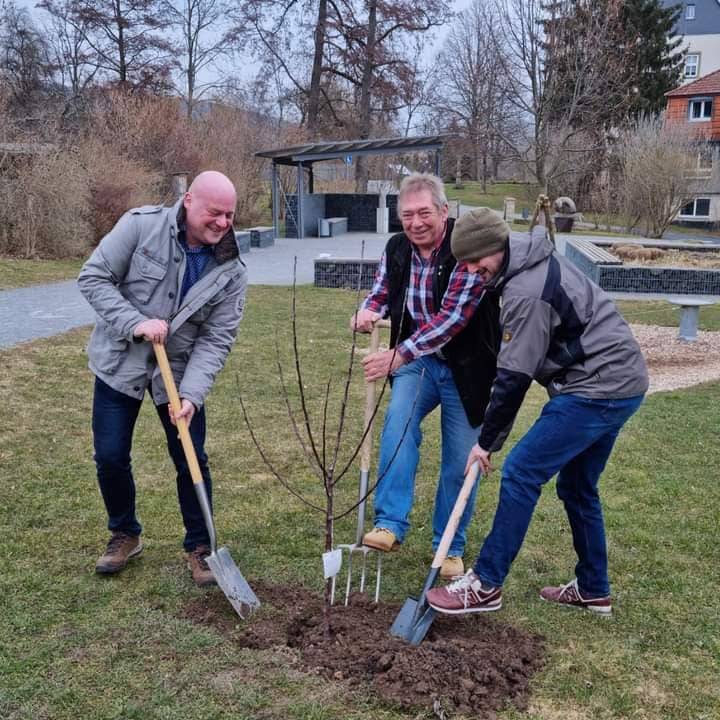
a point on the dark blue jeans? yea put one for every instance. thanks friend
(113, 422)
(574, 437)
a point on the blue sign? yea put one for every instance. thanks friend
(348, 159)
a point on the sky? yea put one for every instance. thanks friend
(431, 50)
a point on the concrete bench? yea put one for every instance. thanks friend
(597, 254)
(329, 227)
(262, 236)
(242, 240)
(689, 314)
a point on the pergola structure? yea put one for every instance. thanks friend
(304, 156)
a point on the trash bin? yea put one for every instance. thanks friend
(564, 223)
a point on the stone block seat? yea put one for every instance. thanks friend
(330, 227)
(242, 240)
(689, 314)
(598, 255)
(262, 236)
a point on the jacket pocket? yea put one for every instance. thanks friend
(105, 351)
(145, 274)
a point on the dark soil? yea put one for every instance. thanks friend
(473, 665)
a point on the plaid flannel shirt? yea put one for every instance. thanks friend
(435, 327)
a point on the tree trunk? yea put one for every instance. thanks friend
(361, 171)
(327, 594)
(313, 111)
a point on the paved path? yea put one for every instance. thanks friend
(45, 310)
(41, 311)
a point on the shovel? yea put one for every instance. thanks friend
(226, 573)
(416, 616)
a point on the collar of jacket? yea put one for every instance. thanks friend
(224, 251)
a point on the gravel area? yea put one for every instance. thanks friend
(673, 363)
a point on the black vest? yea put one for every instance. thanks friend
(472, 353)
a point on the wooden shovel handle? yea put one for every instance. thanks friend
(176, 405)
(366, 449)
(454, 520)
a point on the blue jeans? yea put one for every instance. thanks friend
(113, 422)
(574, 437)
(396, 489)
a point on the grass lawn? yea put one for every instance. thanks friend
(76, 645)
(15, 273)
(661, 312)
(471, 193)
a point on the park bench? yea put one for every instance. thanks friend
(329, 227)
(262, 236)
(595, 253)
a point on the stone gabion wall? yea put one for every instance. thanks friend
(638, 279)
(331, 273)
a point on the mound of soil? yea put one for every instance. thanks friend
(473, 665)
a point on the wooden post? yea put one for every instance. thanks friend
(178, 184)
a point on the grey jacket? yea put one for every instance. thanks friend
(559, 329)
(135, 274)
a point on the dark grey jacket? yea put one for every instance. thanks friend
(135, 274)
(559, 329)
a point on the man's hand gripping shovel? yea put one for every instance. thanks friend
(226, 573)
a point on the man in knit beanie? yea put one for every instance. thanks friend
(564, 332)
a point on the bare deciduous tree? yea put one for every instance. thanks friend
(554, 103)
(657, 160)
(123, 36)
(205, 39)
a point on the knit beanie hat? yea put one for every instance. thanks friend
(479, 233)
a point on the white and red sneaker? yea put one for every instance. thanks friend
(465, 595)
(571, 596)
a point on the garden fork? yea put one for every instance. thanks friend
(357, 548)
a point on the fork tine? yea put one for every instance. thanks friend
(363, 573)
(349, 578)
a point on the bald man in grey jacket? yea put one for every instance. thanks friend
(563, 331)
(170, 275)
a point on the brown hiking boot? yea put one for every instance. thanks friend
(197, 564)
(120, 548)
(452, 567)
(381, 539)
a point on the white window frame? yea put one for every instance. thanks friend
(703, 104)
(692, 65)
(690, 11)
(694, 214)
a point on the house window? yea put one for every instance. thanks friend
(705, 159)
(700, 109)
(689, 12)
(692, 62)
(700, 207)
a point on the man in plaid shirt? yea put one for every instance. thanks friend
(444, 340)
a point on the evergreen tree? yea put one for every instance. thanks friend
(655, 60)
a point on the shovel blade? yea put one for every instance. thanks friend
(232, 583)
(413, 621)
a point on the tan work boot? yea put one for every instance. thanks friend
(381, 539)
(120, 548)
(452, 567)
(197, 564)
